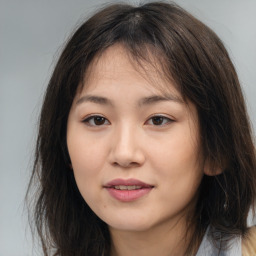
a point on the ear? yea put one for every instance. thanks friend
(211, 169)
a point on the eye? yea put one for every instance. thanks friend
(96, 121)
(159, 120)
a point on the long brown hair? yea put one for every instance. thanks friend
(195, 58)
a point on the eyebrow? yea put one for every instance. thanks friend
(94, 99)
(144, 101)
(158, 98)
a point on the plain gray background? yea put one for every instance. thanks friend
(32, 33)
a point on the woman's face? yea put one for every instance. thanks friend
(134, 150)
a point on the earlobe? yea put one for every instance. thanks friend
(211, 169)
(212, 172)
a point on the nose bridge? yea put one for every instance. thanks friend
(127, 149)
(125, 139)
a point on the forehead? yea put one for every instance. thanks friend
(117, 64)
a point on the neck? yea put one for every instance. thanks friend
(164, 240)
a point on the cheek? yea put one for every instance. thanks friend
(85, 152)
(178, 153)
(87, 158)
(178, 165)
(87, 162)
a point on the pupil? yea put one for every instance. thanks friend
(99, 120)
(158, 120)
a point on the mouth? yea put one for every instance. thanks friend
(122, 187)
(127, 190)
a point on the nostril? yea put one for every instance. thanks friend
(126, 165)
(126, 157)
(134, 164)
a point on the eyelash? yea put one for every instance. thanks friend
(91, 118)
(88, 120)
(167, 120)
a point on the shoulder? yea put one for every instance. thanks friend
(249, 242)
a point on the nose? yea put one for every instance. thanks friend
(127, 148)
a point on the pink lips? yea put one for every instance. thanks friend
(127, 190)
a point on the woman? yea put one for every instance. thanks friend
(144, 144)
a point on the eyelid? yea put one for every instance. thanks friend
(86, 120)
(170, 119)
(90, 117)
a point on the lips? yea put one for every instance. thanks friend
(127, 190)
(123, 187)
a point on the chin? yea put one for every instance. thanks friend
(131, 224)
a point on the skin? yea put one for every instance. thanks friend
(128, 143)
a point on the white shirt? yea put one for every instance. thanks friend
(207, 248)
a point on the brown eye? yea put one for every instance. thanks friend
(96, 121)
(99, 120)
(159, 120)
